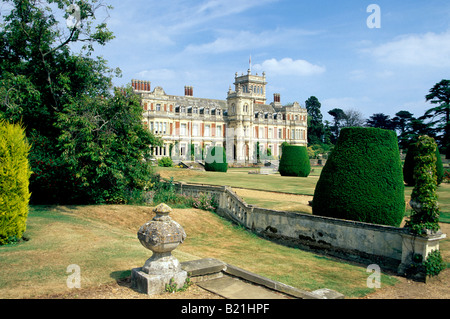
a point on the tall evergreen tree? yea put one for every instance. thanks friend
(316, 128)
(440, 95)
(380, 120)
(338, 116)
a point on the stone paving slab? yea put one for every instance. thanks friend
(233, 288)
(233, 282)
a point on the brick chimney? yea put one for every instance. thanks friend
(188, 91)
(276, 97)
(139, 85)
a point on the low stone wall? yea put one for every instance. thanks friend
(389, 247)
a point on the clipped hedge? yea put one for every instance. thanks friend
(294, 161)
(216, 160)
(408, 166)
(362, 179)
(14, 182)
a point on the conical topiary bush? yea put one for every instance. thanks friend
(362, 179)
(216, 160)
(294, 161)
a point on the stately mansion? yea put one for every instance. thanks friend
(241, 123)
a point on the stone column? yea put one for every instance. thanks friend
(161, 235)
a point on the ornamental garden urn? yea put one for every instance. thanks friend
(161, 235)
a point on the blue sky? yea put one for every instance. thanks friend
(320, 48)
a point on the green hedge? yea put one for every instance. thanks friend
(14, 182)
(294, 161)
(362, 179)
(408, 166)
(216, 160)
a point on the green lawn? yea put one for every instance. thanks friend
(240, 178)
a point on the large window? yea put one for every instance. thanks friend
(207, 130)
(195, 130)
(183, 129)
(219, 130)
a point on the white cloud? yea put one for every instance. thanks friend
(288, 66)
(429, 49)
(160, 74)
(245, 40)
(189, 14)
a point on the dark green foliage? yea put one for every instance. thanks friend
(316, 128)
(439, 167)
(88, 144)
(362, 179)
(216, 160)
(14, 180)
(106, 146)
(424, 202)
(434, 263)
(408, 166)
(294, 161)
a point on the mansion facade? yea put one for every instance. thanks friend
(241, 123)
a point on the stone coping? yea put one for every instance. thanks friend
(208, 268)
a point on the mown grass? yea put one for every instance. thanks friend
(104, 244)
(240, 178)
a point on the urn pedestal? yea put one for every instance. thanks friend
(161, 235)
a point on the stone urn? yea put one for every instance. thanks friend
(161, 235)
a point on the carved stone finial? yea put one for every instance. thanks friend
(161, 235)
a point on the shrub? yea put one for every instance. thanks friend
(14, 182)
(216, 160)
(408, 166)
(362, 179)
(434, 263)
(165, 162)
(294, 161)
(424, 202)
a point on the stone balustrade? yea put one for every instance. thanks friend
(391, 248)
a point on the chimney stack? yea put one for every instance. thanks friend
(188, 91)
(139, 85)
(276, 97)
